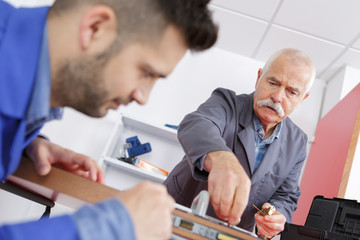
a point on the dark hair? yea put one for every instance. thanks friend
(194, 19)
(144, 20)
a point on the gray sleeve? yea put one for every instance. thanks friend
(202, 131)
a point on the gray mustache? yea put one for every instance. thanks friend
(270, 103)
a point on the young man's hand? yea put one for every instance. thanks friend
(150, 207)
(45, 153)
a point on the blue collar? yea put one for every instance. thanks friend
(260, 130)
(39, 110)
(21, 33)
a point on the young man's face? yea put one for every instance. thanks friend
(92, 87)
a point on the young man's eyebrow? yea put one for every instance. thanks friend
(147, 67)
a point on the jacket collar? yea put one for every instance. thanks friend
(247, 110)
(246, 133)
(246, 136)
(19, 54)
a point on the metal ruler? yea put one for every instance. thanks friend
(192, 223)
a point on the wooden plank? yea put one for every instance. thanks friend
(73, 191)
(61, 186)
(187, 235)
(349, 157)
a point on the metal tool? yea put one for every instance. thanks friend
(194, 224)
(267, 211)
(200, 203)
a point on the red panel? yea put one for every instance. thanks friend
(325, 165)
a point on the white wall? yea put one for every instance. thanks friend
(352, 78)
(192, 82)
(339, 86)
(333, 91)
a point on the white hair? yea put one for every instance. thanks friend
(295, 56)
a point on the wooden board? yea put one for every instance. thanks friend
(350, 157)
(74, 191)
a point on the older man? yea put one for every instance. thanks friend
(245, 150)
(91, 55)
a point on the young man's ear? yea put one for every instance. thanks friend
(98, 27)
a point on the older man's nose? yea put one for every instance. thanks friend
(278, 95)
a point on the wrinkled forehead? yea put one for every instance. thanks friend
(299, 72)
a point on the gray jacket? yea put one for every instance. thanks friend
(225, 122)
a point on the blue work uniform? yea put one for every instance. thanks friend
(21, 45)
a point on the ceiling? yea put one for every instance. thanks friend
(327, 30)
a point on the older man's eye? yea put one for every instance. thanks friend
(292, 93)
(272, 83)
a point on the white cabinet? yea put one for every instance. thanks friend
(166, 153)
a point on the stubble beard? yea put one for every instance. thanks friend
(79, 84)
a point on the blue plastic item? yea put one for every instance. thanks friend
(176, 127)
(136, 148)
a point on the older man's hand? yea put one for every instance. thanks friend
(270, 225)
(229, 185)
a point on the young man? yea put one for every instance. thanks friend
(91, 55)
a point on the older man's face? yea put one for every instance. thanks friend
(280, 90)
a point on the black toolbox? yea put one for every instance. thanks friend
(328, 219)
(296, 232)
